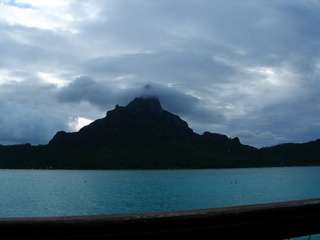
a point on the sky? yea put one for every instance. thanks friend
(247, 69)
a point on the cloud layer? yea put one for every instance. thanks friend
(243, 68)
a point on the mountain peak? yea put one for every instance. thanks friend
(142, 106)
(146, 104)
(142, 120)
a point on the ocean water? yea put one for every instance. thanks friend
(30, 193)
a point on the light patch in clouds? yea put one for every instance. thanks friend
(49, 15)
(41, 3)
(51, 79)
(257, 138)
(6, 76)
(75, 124)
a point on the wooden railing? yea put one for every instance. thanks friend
(262, 221)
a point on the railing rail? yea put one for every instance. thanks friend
(262, 221)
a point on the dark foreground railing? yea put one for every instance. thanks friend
(263, 221)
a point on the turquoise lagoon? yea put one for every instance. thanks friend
(37, 193)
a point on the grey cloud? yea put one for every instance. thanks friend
(33, 49)
(85, 89)
(171, 66)
(100, 95)
(31, 92)
(203, 60)
(27, 114)
(126, 26)
(24, 124)
(171, 98)
(187, 106)
(293, 120)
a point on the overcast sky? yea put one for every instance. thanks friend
(247, 69)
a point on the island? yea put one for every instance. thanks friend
(142, 135)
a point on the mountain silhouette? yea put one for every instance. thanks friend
(142, 135)
(140, 122)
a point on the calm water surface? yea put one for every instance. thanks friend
(88, 192)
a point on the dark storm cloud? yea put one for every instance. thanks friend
(27, 114)
(86, 89)
(185, 105)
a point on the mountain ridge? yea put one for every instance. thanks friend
(138, 113)
(142, 135)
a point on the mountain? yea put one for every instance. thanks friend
(142, 135)
(140, 122)
(293, 154)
